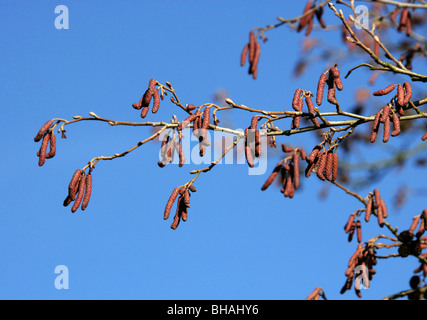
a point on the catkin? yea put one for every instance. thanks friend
(254, 65)
(403, 19)
(73, 185)
(319, 14)
(322, 165)
(377, 197)
(156, 101)
(359, 231)
(414, 224)
(314, 294)
(386, 135)
(296, 98)
(257, 143)
(272, 176)
(314, 153)
(42, 131)
(349, 223)
(80, 194)
(244, 54)
(386, 112)
(400, 95)
(180, 155)
(170, 203)
(408, 93)
(305, 19)
(295, 162)
(396, 125)
(334, 167)
(144, 112)
(320, 88)
(52, 146)
(88, 191)
(251, 46)
(385, 91)
(328, 165)
(368, 209)
(43, 149)
(375, 127)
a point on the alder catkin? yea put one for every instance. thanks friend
(322, 165)
(43, 149)
(400, 95)
(42, 131)
(170, 203)
(396, 125)
(180, 155)
(377, 197)
(257, 143)
(403, 19)
(52, 146)
(386, 112)
(385, 91)
(368, 209)
(359, 231)
(305, 19)
(254, 65)
(244, 54)
(156, 101)
(386, 135)
(80, 194)
(251, 46)
(315, 293)
(88, 191)
(314, 153)
(408, 93)
(414, 224)
(296, 98)
(272, 176)
(295, 162)
(320, 88)
(144, 112)
(328, 165)
(73, 185)
(334, 167)
(349, 223)
(375, 127)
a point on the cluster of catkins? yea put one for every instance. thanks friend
(48, 139)
(376, 206)
(316, 294)
(366, 259)
(307, 19)
(323, 162)
(289, 171)
(150, 94)
(182, 205)
(405, 21)
(388, 114)
(253, 51)
(332, 79)
(200, 121)
(79, 190)
(168, 148)
(252, 142)
(411, 246)
(297, 105)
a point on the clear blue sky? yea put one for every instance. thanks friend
(239, 242)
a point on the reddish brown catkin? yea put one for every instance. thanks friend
(180, 155)
(320, 88)
(315, 293)
(254, 66)
(349, 223)
(257, 143)
(386, 135)
(424, 137)
(302, 154)
(177, 216)
(88, 191)
(328, 166)
(334, 167)
(309, 24)
(296, 98)
(368, 209)
(375, 127)
(337, 79)
(244, 54)
(272, 176)
(310, 107)
(295, 161)
(205, 121)
(396, 125)
(385, 91)
(408, 24)
(331, 89)
(170, 203)
(251, 46)
(408, 92)
(42, 131)
(351, 231)
(186, 200)
(73, 185)
(254, 122)
(156, 101)
(314, 153)
(414, 224)
(43, 149)
(322, 165)
(377, 197)
(359, 231)
(187, 121)
(386, 112)
(52, 146)
(400, 95)
(305, 19)
(403, 18)
(80, 194)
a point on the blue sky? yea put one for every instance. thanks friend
(238, 242)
